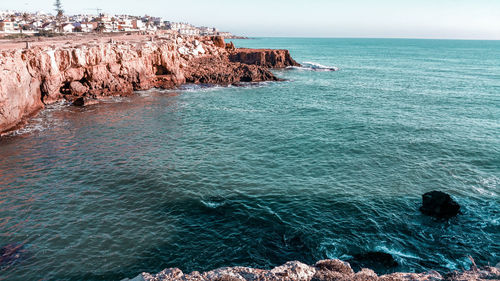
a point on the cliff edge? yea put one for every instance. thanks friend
(33, 77)
(325, 270)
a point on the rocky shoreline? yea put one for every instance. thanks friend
(83, 72)
(325, 270)
(435, 203)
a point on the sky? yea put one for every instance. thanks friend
(443, 19)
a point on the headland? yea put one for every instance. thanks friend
(81, 69)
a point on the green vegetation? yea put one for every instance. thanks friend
(60, 14)
(16, 36)
(46, 33)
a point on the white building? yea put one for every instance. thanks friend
(8, 26)
(87, 27)
(138, 25)
(68, 28)
(189, 31)
(125, 25)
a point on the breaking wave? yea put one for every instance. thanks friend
(316, 67)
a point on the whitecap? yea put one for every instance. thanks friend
(315, 67)
(212, 204)
(395, 252)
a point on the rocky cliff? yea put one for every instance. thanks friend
(326, 270)
(32, 78)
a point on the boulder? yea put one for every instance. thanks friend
(77, 88)
(334, 266)
(219, 41)
(230, 46)
(439, 204)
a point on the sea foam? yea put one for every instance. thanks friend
(315, 67)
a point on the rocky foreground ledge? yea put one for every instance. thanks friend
(325, 270)
(82, 72)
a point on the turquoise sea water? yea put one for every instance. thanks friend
(324, 165)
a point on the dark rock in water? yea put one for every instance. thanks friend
(11, 253)
(378, 261)
(439, 204)
(81, 101)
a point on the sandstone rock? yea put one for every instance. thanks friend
(439, 204)
(365, 275)
(332, 270)
(335, 265)
(428, 276)
(265, 58)
(77, 88)
(20, 94)
(230, 46)
(327, 270)
(219, 41)
(294, 271)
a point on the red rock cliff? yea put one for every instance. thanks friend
(266, 58)
(32, 78)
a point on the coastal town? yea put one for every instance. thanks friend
(19, 24)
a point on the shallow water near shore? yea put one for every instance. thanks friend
(325, 165)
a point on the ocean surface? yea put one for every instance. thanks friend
(325, 165)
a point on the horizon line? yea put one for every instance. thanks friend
(367, 37)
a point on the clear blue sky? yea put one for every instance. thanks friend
(463, 19)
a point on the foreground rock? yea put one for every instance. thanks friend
(326, 270)
(439, 204)
(33, 78)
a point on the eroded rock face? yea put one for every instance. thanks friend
(32, 78)
(439, 204)
(326, 270)
(266, 58)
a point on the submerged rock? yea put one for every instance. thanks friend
(439, 204)
(11, 253)
(81, 101)
(379, 261)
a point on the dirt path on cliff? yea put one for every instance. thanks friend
(75, 39)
